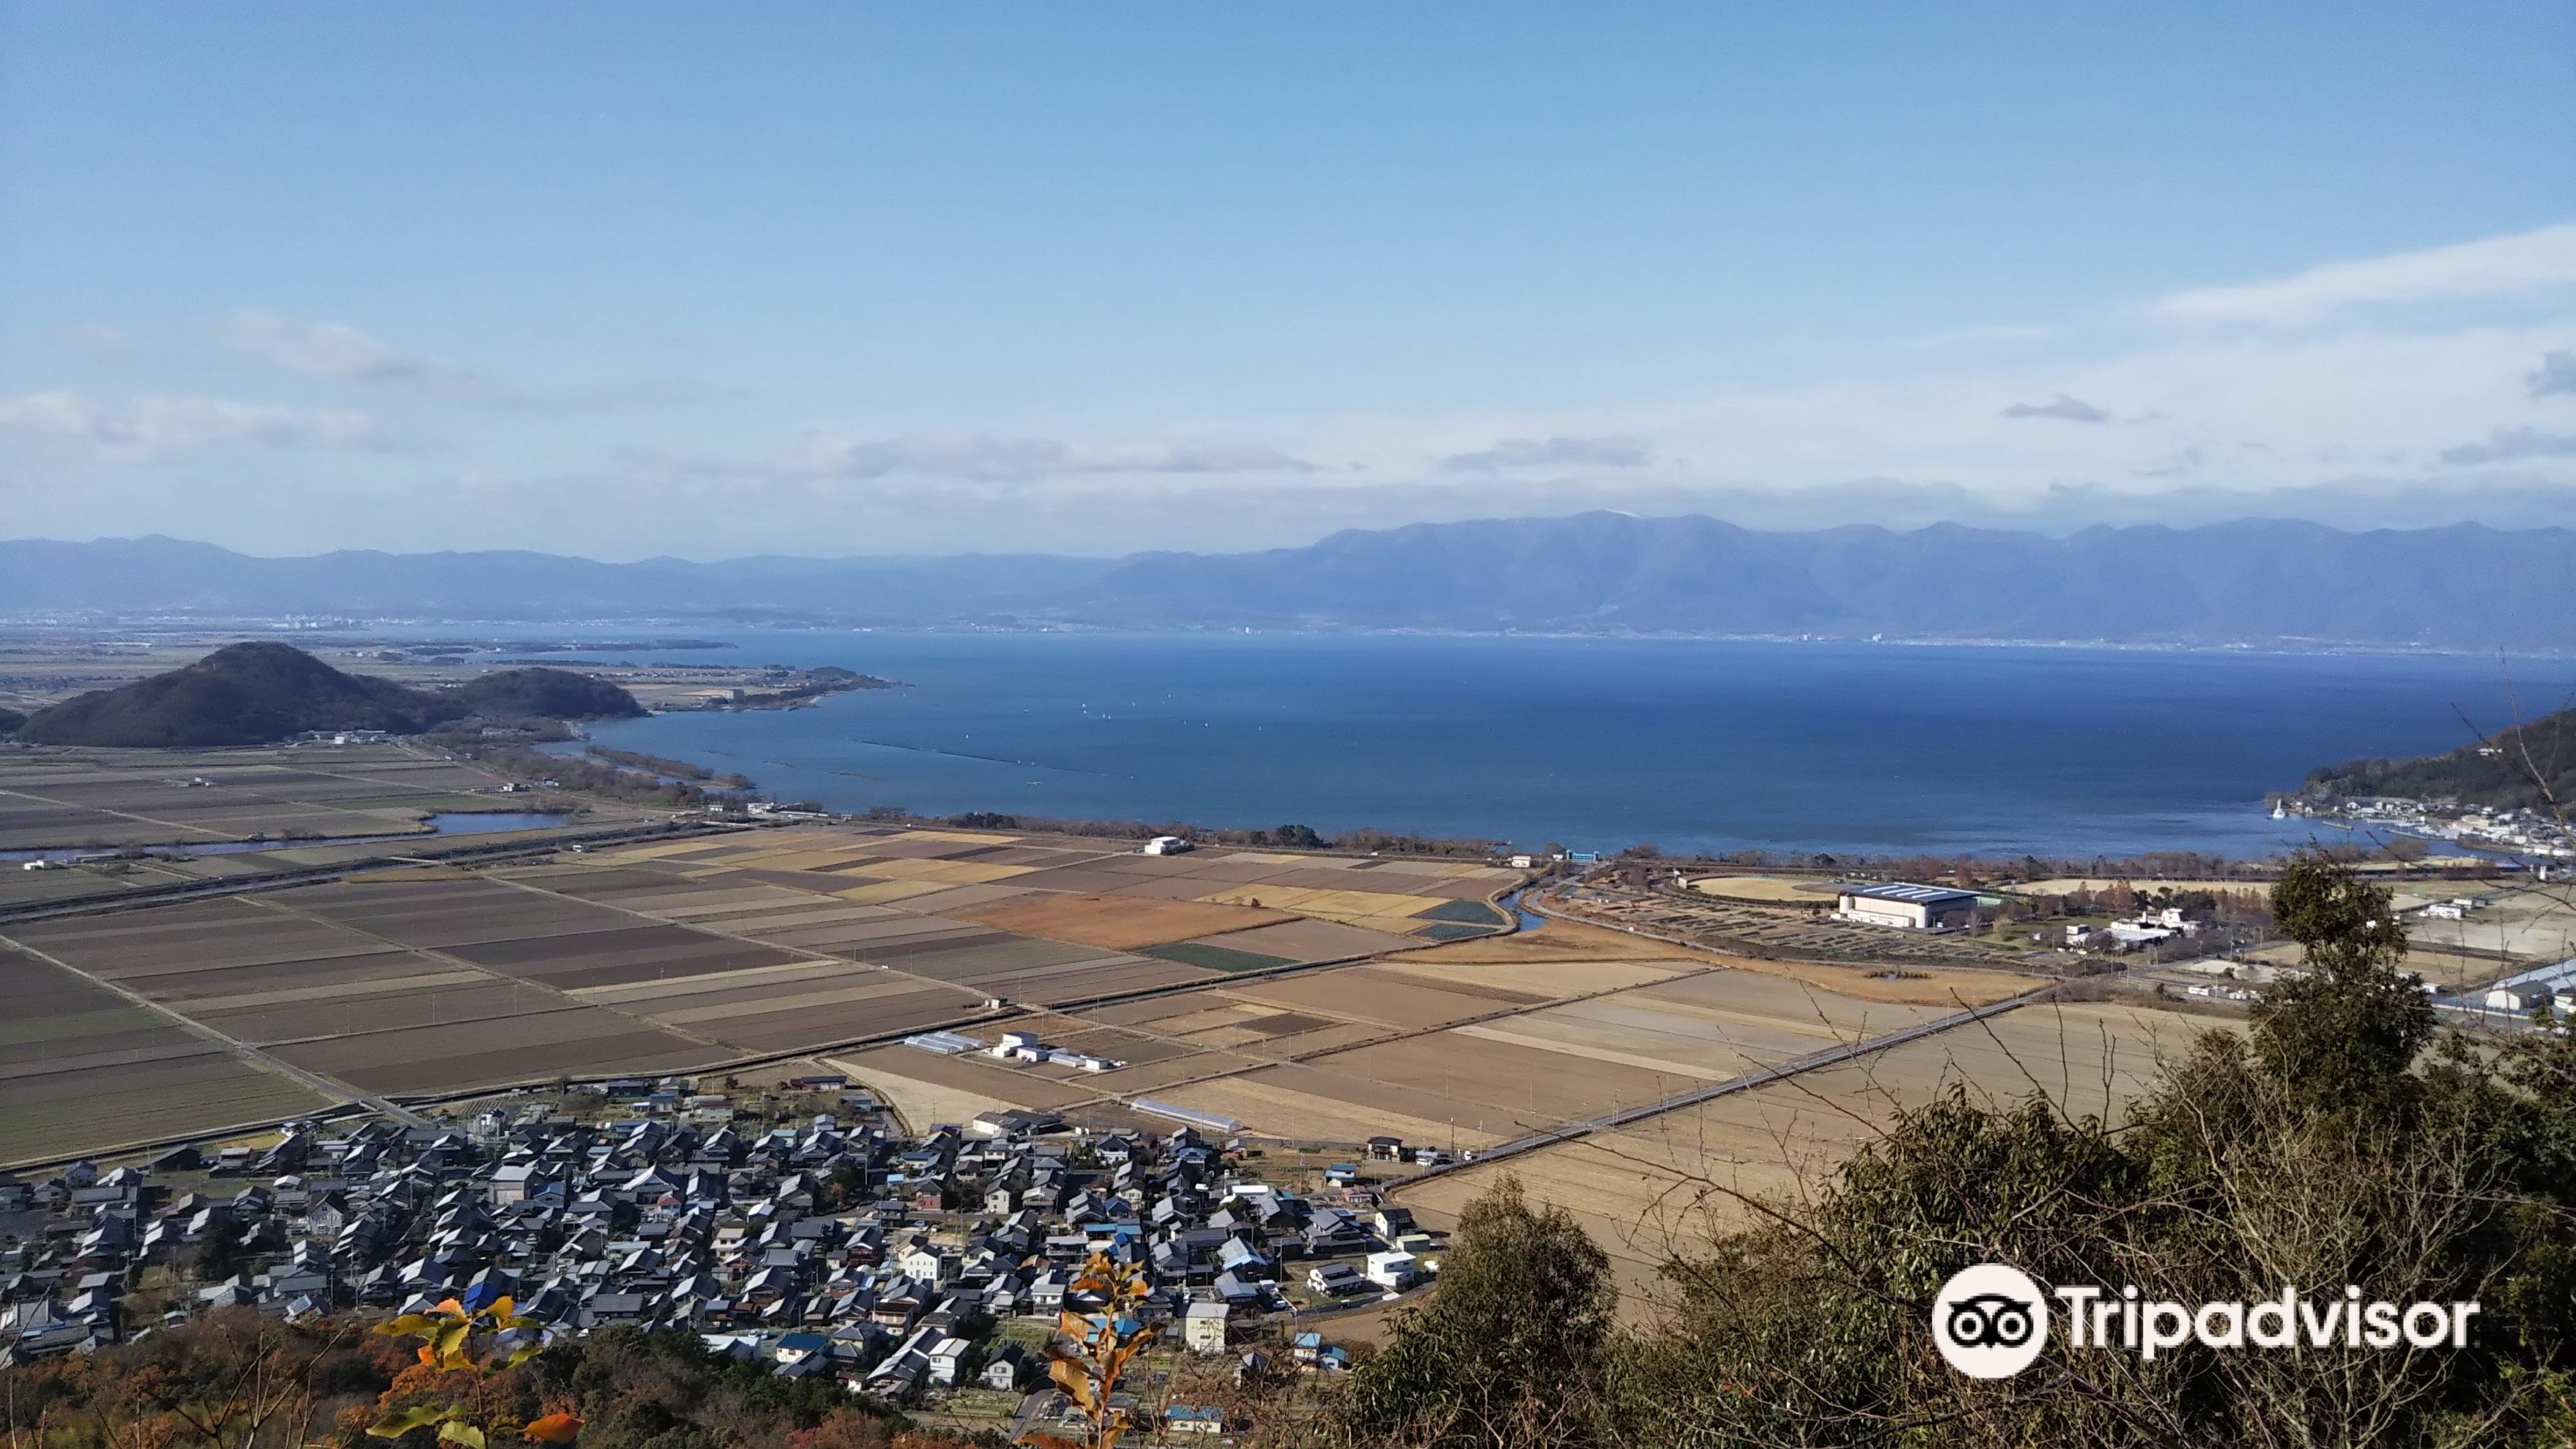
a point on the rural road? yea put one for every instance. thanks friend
(1830, 1056)
(1533, 900)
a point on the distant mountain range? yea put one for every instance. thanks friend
(2465, 586)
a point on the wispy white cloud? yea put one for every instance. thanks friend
(978, 458)
(2171, 422)
(2061, 407)
(2500, 267)
(1560, 452)
(333, 350)
(152, 426)
(339, 352)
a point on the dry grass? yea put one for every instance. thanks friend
(1556, 941)
(1296, 1116)
(1919, 986)
(1543, 978)
(1765, 889)
(917, 1102)
(1345, 994)
(1666, 1183)
(1119, 923)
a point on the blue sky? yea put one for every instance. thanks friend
(630, 279)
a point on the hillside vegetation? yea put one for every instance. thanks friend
(2526, 767)
(542, 693)
(236, 1380)
(259, 692)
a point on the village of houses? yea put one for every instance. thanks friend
(925, 1270)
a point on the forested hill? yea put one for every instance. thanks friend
(2465, 586)
(2506, 771)
(546, 694)
(248, 694)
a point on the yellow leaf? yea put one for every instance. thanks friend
(451, 1308)
(461, 1433)
(500, 1310)
(1075, 1383)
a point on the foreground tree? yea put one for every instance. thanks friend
(1511, 1348)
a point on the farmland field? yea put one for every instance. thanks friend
(74, 797)
(675, 954)
(1667, 1182)
(83, 1068)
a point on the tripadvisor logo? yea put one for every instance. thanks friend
(1991, 1321)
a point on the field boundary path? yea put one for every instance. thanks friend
(491, 854)
(327, 1086)
(1827, 1057)
(1830, 1056)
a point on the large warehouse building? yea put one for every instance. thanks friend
(1907, 907)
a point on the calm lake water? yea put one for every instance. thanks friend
(1598, 743)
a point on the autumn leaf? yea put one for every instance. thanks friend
(460, 1432)
(452, 1308)
(552, 1429)
(1075, 1383)
(500, 1309)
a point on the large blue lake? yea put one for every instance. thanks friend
(1599, 743)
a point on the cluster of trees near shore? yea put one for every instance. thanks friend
(1363, 841)
(2344, 1139)
(2527, 766)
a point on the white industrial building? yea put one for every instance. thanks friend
(1166, 845)
(1906, 907)
(2518, 994)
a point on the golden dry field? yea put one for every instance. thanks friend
(1122, 923)
(1665, 1184)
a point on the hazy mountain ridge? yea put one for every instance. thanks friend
(2465, 586)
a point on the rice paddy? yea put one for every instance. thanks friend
(688, 953)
